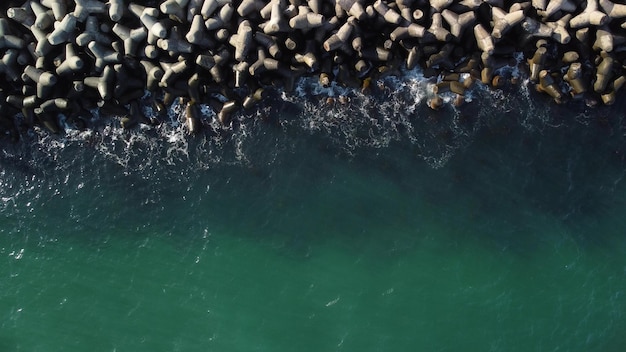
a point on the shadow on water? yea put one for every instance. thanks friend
(569, 168)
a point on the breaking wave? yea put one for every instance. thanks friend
(341, 120)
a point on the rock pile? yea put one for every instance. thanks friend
(70, 56)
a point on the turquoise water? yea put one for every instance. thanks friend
(497, 230)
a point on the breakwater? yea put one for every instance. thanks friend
(66, 58)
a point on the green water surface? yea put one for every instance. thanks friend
(496, 251)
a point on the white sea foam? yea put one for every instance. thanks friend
(392, 110)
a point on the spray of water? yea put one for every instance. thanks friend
(346, 120)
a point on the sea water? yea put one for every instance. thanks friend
(371, 225)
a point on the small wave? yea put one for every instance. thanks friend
(394, 110)
(346, 120)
